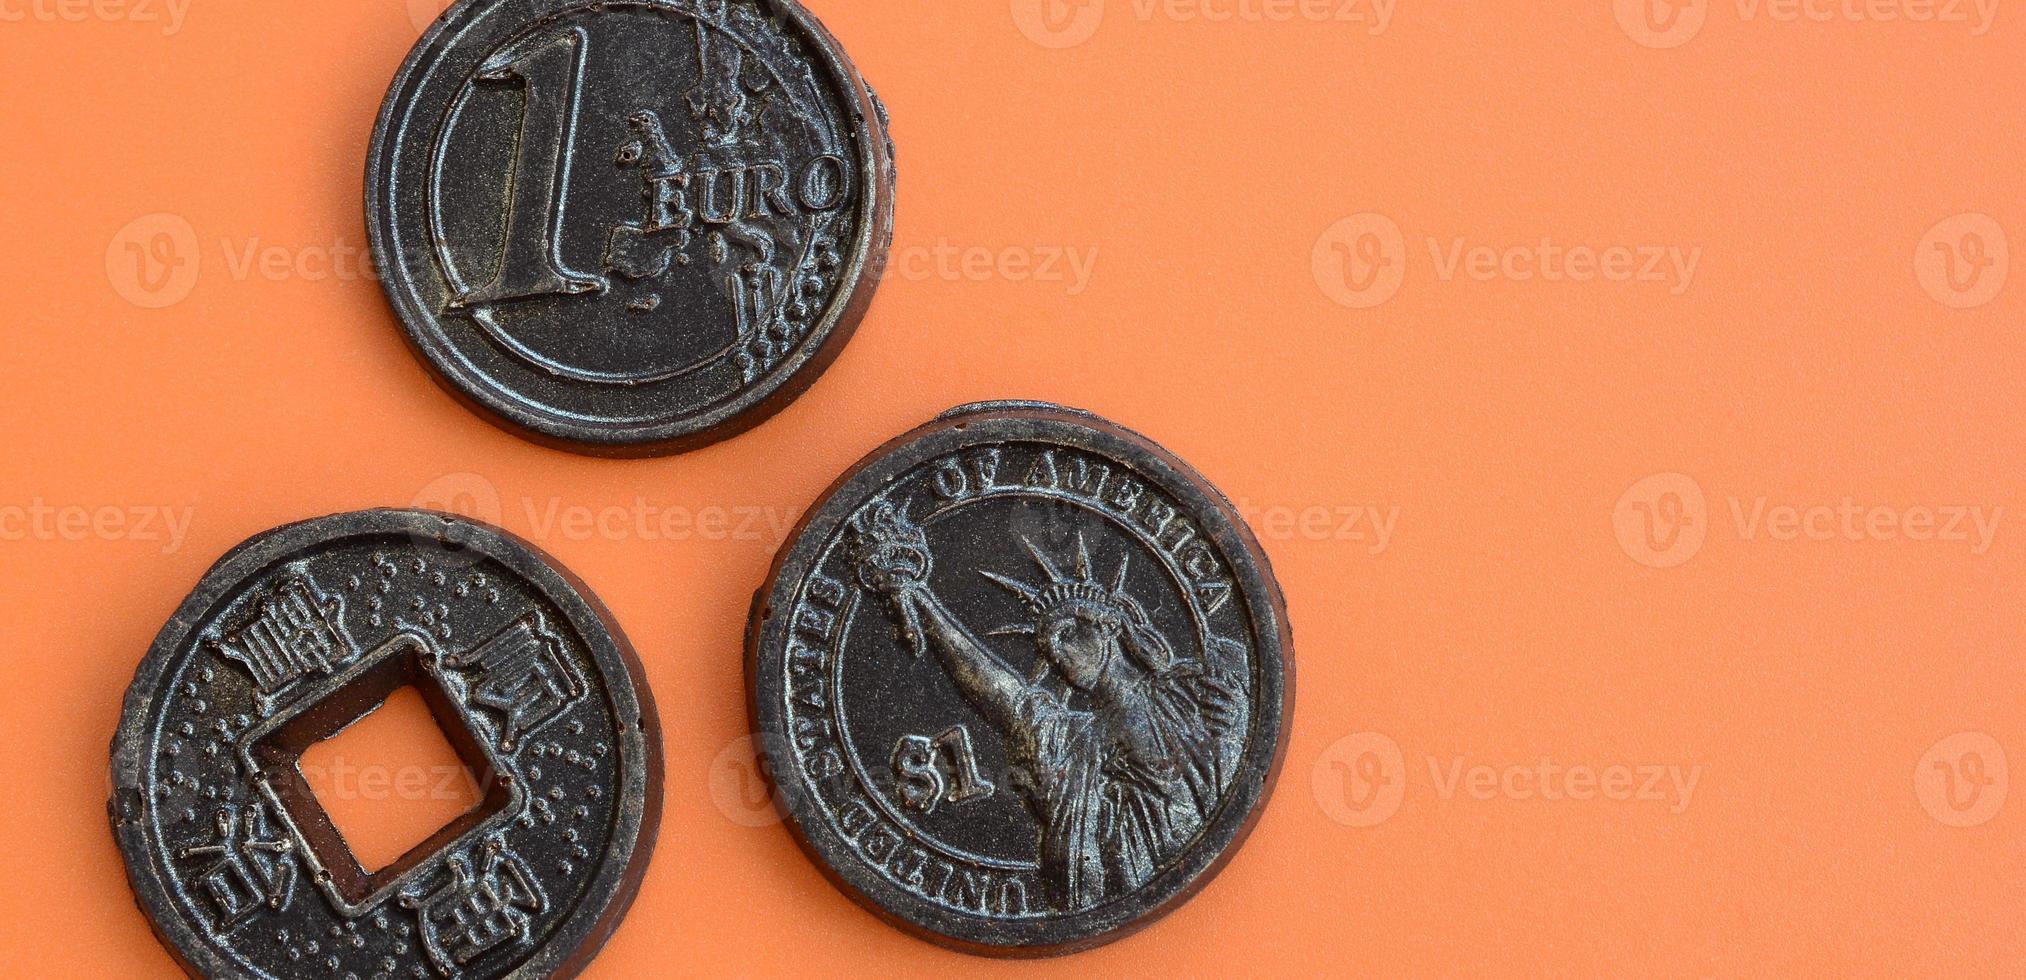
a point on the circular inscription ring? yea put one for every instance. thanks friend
(302, 631)
(629, 227)
(1023, 680)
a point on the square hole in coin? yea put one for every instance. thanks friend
(380, 773)
(390, 781)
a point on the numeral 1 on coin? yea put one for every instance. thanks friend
(551, 73)
(931, 771)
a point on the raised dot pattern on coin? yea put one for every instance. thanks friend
(629, 227)
(1023, 679)
(302, 631)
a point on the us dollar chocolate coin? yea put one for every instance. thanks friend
(301, 632)
(629, 227)
(1023, 680)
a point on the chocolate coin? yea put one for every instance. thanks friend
(303, 631)
(629, 227)
(1023, 679)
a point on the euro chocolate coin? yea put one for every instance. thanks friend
(629, 227)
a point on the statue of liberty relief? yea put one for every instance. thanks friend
(1118, 785)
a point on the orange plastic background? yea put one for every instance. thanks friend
(1836, 340)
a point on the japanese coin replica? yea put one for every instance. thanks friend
(302, 631)
(1023, 680)
(629, 227)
